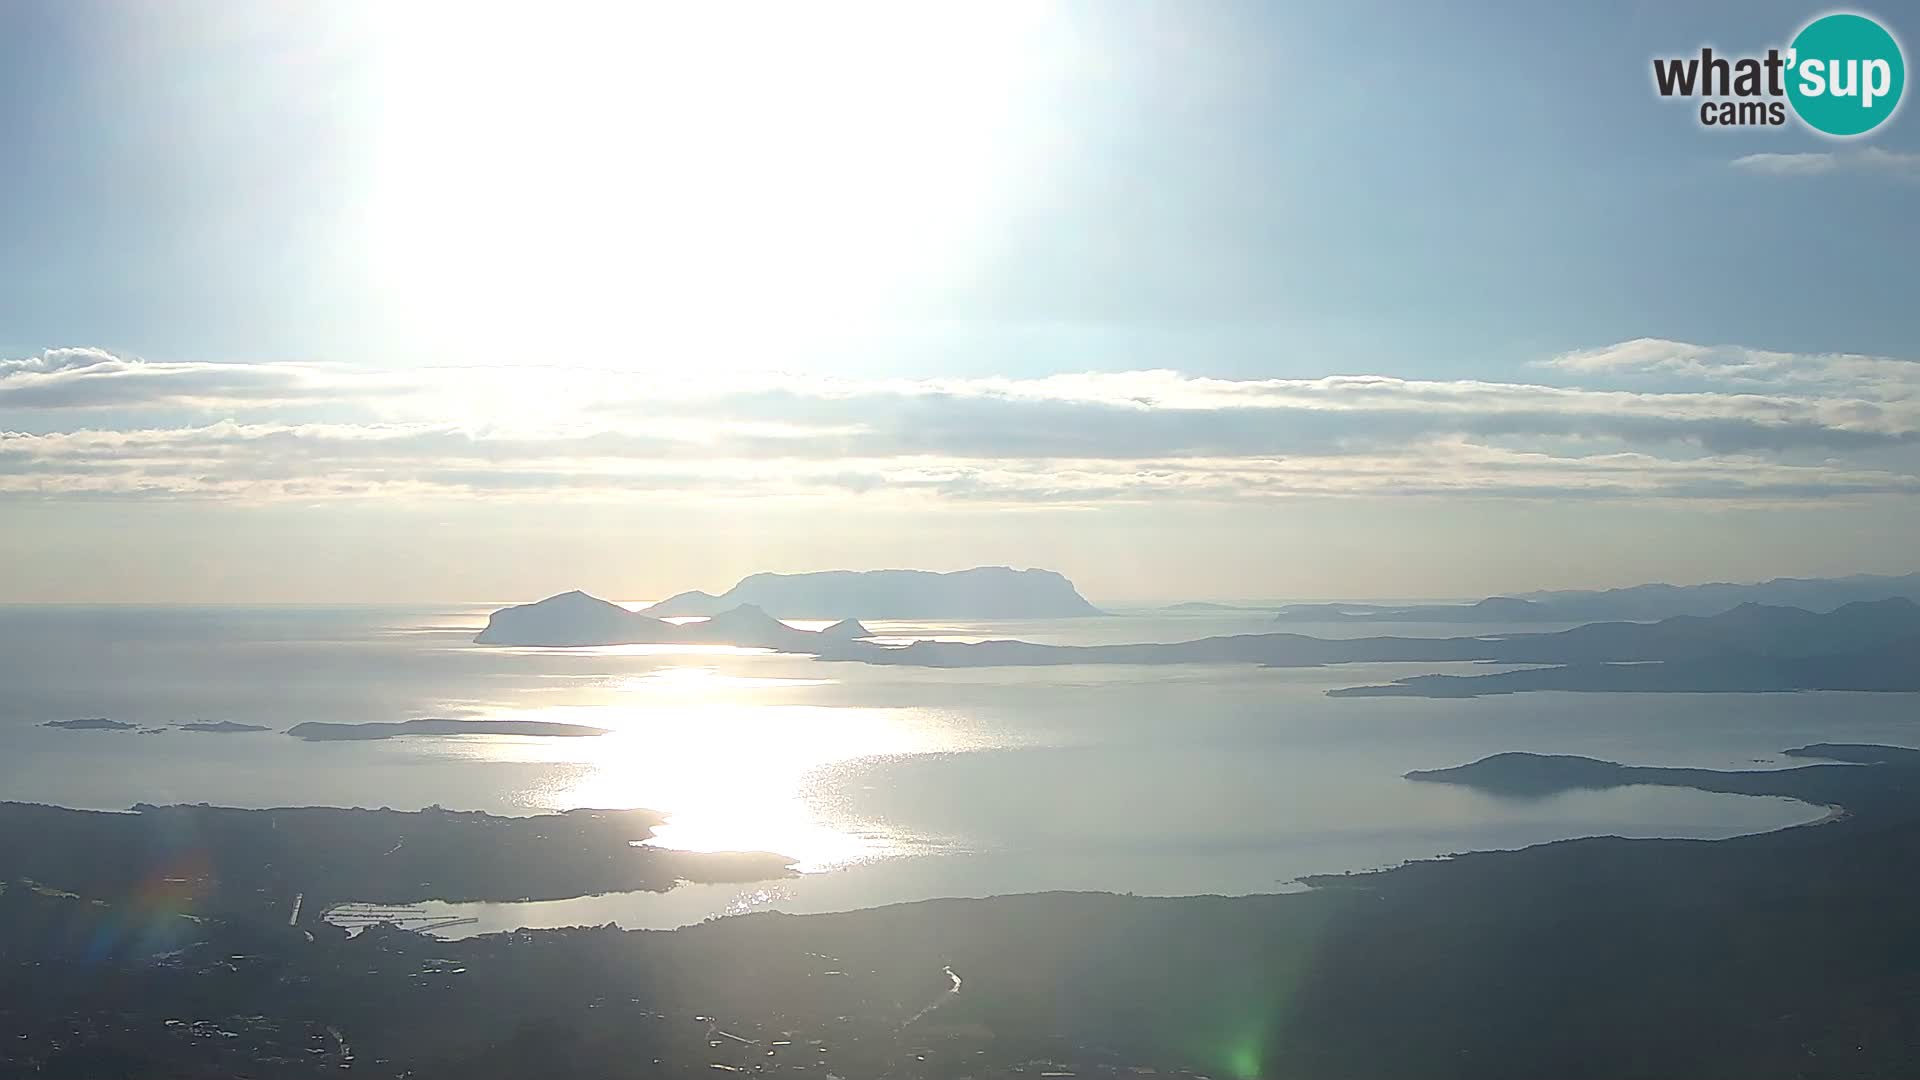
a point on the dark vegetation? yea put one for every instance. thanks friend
(1788, 954)
(252, 863)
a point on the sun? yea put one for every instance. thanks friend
(692, 181)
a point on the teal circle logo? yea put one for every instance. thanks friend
(1845, 74)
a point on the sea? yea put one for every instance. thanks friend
(884, 784)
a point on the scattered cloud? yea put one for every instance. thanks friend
(1853, 378)
(96, 379)
(1871, 159)
(1787, 164)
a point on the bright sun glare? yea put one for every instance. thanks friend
(736, 772)
(693, 168)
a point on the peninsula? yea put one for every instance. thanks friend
(256, 861)
(320, 731)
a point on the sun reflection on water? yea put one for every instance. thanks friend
(674, 648)
(703, 681)
(734, 774)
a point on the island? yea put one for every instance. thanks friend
(320, 731)
(1828, 783)
(575, 619)
(223, 727)
(92, 723)
(984, 592)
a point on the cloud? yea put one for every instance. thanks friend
(1872, 159)
(1852, 379)
(96, 379)
(57, 360)
(229, 461)
(1759, 424)
(1787, 164)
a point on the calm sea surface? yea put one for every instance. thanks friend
(887, 784)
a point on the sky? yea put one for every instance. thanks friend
(422, 302)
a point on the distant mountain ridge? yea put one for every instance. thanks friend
(1211, 607)
(984, 592)
(1871, 646)
(1659, 600)
(1635, 602)
(1494, 609)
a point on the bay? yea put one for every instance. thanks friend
(885, 784)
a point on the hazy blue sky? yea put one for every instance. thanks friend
(345, 301)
